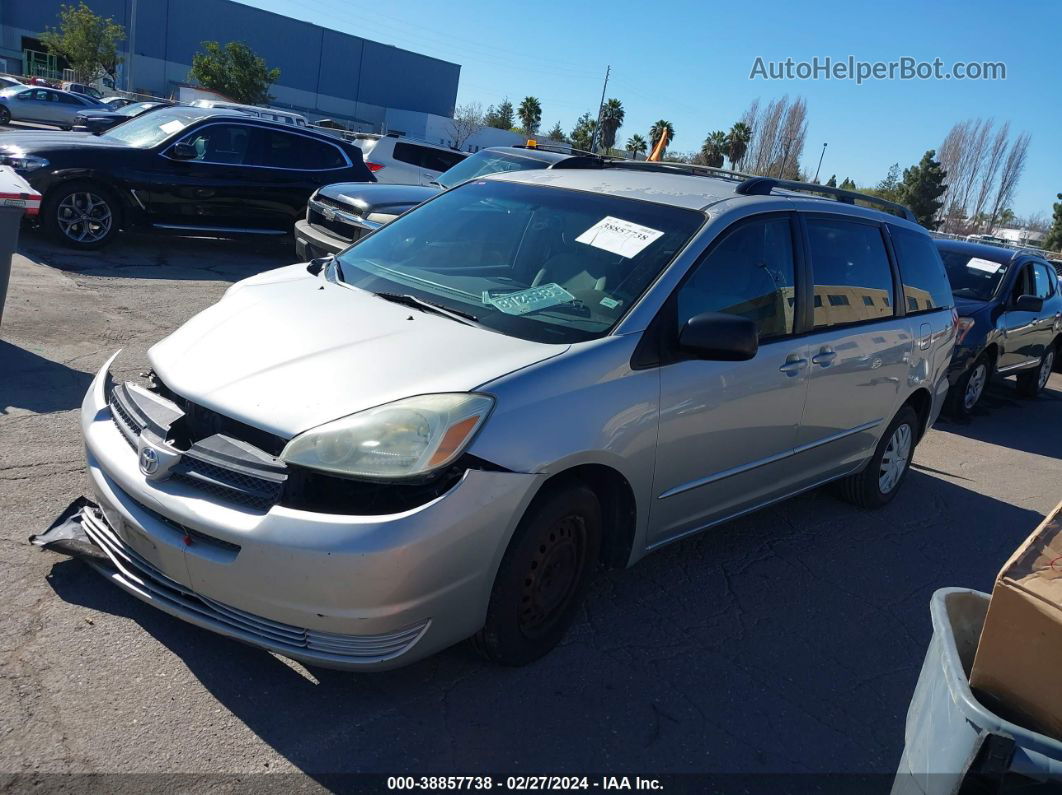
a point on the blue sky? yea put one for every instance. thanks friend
(689, 62)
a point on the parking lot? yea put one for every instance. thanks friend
(789, 640)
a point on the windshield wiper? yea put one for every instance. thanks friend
(428, 306)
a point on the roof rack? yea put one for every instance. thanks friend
(752, 185)
(560, 147)
(764, 186)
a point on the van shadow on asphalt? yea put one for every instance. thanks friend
(32, 382)
(145, 255)
(789, 640)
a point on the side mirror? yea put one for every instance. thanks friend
(1029, 303)
(183, 151)
(719, 337)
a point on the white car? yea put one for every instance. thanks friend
(401, 161)
(269, 114)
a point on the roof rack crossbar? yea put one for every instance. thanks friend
(763, 186)
(678, 168)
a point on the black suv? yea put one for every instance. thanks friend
(1010, 319)
(339, 214)
(184, 169)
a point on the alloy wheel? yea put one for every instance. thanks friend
(1046, 366)
(975, 386)
(84, 217)
(894, 459)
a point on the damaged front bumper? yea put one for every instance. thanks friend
(341, 591)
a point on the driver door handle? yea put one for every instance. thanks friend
(793, 365)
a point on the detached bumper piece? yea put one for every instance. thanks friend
(82, 531)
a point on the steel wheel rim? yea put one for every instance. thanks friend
(553, 577)
(975, 386)
(1045, 368)
(84, 217)
(894, 459)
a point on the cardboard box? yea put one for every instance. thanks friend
(1017, 671)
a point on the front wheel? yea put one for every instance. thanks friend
(879, 481)
(966, 394)
(81, 215)
(543, 577)
(5, 116)
(1032, 382)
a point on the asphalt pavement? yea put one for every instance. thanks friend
(787, 641)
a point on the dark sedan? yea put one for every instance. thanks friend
(187, 170)
(97, 121)
(1010, 319)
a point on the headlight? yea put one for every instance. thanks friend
(409, 437)
(23, 162)
(963, 328)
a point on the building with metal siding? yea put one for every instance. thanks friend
(323, 73)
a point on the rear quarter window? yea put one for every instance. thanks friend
(925, 282)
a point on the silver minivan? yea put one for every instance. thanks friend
(445, 430)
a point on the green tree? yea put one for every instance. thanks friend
(922, 187)
(234, 71)
(530, 113)
(848, 184)
(88, 42)
(713, 148)
(583, 132)
(1053, 241)
(612, 115)
(737, 143)
(889, 188)
(501, 117)
(637, 145)
(557, 133)
(657, 131)
(832, 181)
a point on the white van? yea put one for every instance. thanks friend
(269, 114)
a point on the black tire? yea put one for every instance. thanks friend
(62, 202)
(1031, 382)
(543, 577)
(964, 396)
(865, 488)
(5, 116)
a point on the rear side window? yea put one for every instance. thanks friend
(925, 282)
(283, 150)
(853, 279)
(440, 160)
(408, 153)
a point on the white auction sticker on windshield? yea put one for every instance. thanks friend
(533, 298)
(171, 126)
(619, 237)
(985, 265)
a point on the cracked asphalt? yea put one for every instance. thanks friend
(789, 640)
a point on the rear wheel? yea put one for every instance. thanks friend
(879, 481)
(81, 215)
(543, 577)
(1032, 382)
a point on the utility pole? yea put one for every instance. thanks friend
(600, 110)
(785, 159)
(816, 180)
(129, 84)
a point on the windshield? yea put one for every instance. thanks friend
(152, 128)
(535, 262)
(972, 277)
(136, 108)
(487, 162)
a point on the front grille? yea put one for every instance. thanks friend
(335, 227)
(126, 425)
(136, 574)
(339, 205)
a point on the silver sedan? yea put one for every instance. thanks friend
(44, 106)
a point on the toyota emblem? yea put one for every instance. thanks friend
(149, 461)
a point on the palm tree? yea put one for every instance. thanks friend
(612, 114)
(737, 143)
(713, 148)
(657, 131)
(530, 113)
(637, 145)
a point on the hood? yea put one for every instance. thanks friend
(367, 198)
(46, 141)
(286, 351)
(967, 307)
(101, 114)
